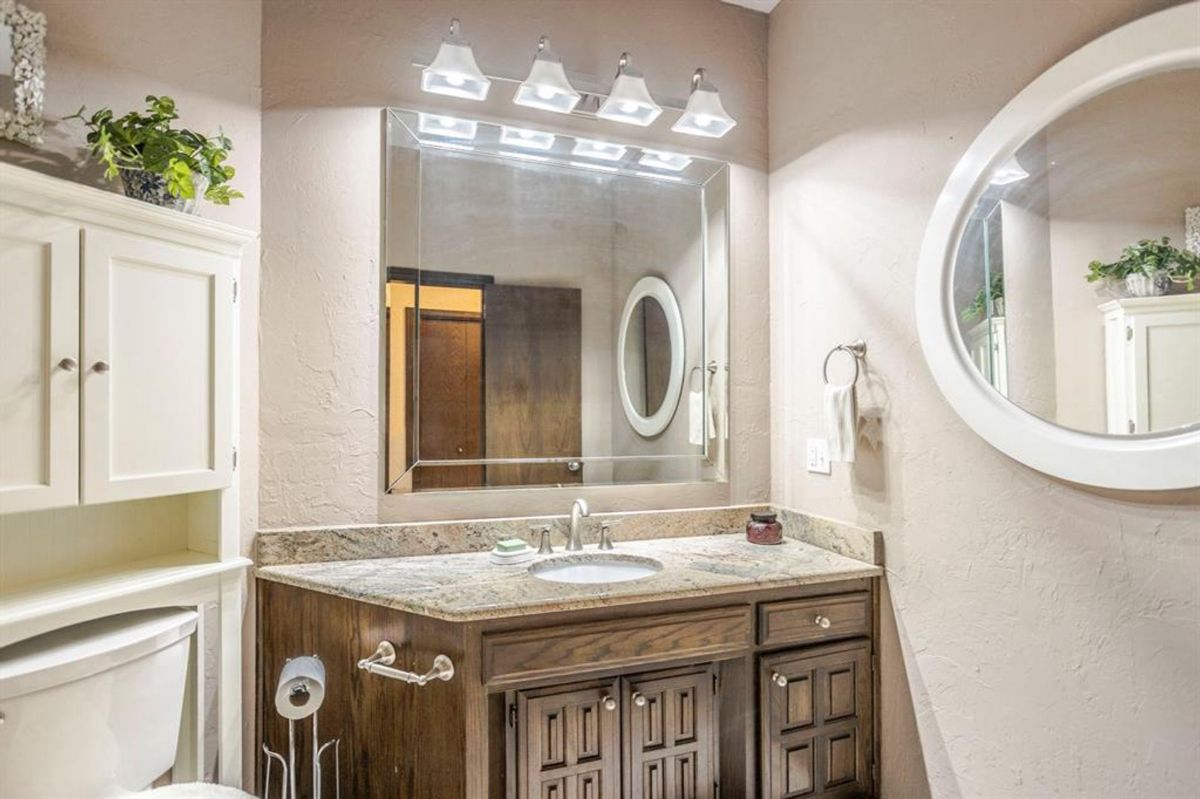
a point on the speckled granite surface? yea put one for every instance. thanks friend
(314, 544)
(465, 587)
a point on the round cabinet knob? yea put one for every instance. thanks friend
(101, 367)
(638, 699)
(779, 680)
(609, 703)
(460, 450)
(68, 364)
(822, 622)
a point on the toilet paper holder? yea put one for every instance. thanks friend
(380, 662)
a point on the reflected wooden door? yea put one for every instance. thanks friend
(816, 722)
(533, 375)
(450, 404)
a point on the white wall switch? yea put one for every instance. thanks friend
(818, 456)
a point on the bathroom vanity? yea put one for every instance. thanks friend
(735, 671)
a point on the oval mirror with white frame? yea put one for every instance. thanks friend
(1058, 291)
(650, 346)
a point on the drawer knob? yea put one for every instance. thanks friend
(779, 680)
(822, 622)
(68, 364)
(609, 703)
(101, 367)
(638, 699)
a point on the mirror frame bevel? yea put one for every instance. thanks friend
(657, 289)
(1161, 42)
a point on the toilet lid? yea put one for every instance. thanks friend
(197, 790)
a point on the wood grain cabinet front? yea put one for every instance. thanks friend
(816, 722)
(569, 742)
(671, 735)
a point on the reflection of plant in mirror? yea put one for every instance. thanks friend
(147, 142)
(1150, 257)
(978, 307)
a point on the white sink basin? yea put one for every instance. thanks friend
(595, 569)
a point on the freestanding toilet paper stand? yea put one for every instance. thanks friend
(298, 695)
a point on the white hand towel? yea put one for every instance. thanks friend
(696, 418)
(841, 422)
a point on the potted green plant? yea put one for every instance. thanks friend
(978, 307)
(1149, 267)
(158, 163)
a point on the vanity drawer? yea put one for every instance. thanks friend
(819, 618)
(522, 655)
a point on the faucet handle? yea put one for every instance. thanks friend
(606, 535)
(545, 547)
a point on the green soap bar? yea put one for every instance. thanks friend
(510, 545)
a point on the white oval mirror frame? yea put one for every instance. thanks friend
(657, 289)
(1161, 42)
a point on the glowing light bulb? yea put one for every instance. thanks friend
(455, 80)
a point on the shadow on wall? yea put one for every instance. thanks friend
(60, 155)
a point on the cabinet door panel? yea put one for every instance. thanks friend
(568, 743)
(816, 722)
(671, 735)
(157, 419)
(39, 328)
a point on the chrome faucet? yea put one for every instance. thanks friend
(578, 511)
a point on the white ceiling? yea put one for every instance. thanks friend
(765, 6)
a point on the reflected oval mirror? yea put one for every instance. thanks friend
(650, 347)
(1057, 291)
(1076, 278)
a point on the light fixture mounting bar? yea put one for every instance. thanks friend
(592, 99)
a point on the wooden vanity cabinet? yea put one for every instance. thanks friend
(816, 721)
(766, 693)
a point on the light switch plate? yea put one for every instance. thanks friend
(818, 456)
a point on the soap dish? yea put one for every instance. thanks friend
(510, 555)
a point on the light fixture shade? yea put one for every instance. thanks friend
(629, 101)
(444, 127)
(661, 159)
(1010, 171)
(454, 72)
(704, 115)
(547, 86)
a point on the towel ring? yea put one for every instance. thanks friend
(857, 349)
(711, 368)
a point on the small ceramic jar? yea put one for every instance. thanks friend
(764, 528)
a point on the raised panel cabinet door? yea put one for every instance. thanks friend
(569, 742)
(670, 735)
(816, 722)
(157, 368)
(39, 357)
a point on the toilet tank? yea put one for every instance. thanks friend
(93, 711)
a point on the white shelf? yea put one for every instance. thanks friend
(37, 607)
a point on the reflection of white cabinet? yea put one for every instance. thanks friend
(1152, 362)
(117, 331)
(985, 343)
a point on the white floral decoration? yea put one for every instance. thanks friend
(1191, 229)
(24, 122)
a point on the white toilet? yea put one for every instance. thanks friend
(93, 711)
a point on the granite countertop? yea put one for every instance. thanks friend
(468, 587)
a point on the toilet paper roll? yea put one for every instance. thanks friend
(301, 687)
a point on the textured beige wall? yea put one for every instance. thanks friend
(1049, 635)
(328, 69)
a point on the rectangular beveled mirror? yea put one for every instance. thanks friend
(556, 309)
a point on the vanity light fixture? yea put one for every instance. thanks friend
(446, 127)
(1010, 171)
(454, 72)
(659, 176)
(601, 150)
(704, 115)
(660, 159)
(522, 156)
(547, 86)
(528, 139)
(594, 167)
(629, 100)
